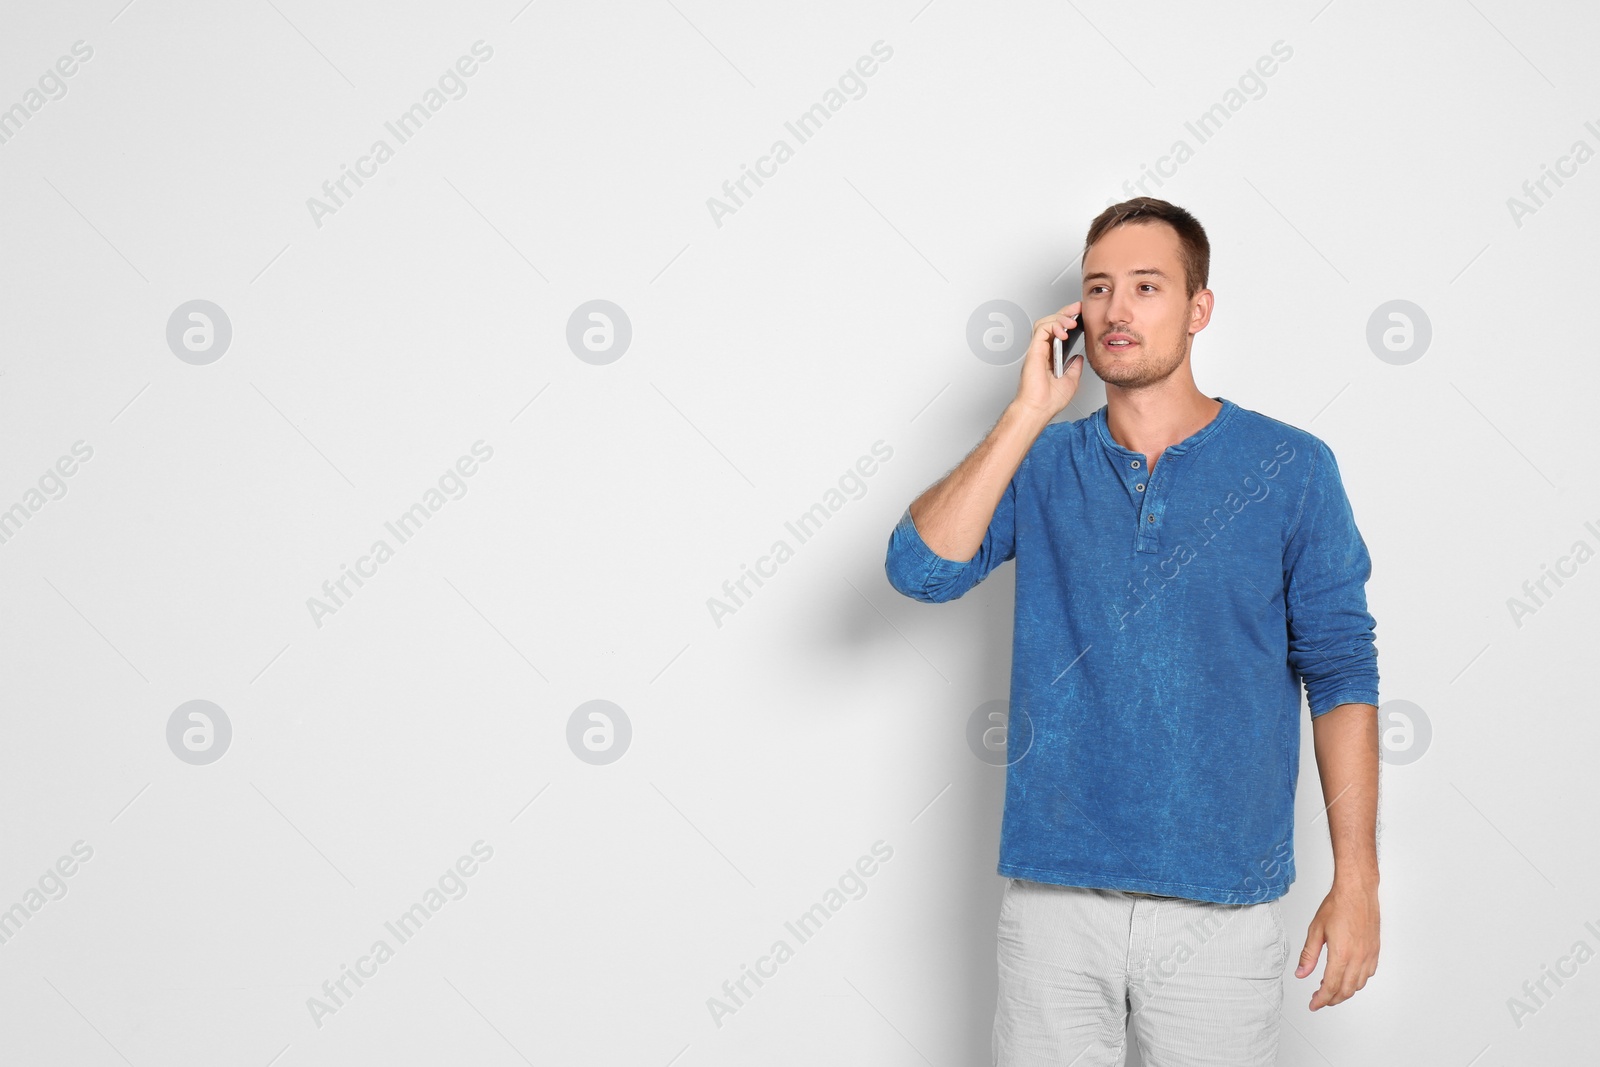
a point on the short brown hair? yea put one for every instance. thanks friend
(1196, 249)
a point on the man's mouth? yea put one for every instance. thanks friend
(1118, 341)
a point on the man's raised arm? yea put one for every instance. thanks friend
(963, 526)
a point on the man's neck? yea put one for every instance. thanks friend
(1149, 422)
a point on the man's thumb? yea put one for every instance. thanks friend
(1310, 954)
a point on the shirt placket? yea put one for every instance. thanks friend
(1149, 488)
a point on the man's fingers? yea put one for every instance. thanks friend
(1356, 977)
(1341, 978)
(1331, 991)
(1310, 954)
(1057, 323)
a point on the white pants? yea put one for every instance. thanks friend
(1196, 983)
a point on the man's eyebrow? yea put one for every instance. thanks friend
(1142, 270)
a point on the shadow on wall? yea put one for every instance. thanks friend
(881, 643)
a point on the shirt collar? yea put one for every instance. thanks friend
(1194, 440)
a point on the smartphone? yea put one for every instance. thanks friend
(1062, 346)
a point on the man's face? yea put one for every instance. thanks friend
(1121, 295)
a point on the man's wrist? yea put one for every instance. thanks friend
(1027, 417)
(1359, 879)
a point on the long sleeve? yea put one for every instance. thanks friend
(917, 571)
(1326, 567)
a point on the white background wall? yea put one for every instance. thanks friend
(372, 347)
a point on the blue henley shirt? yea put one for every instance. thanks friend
(1164, 624)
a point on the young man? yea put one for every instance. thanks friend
(1183, 563)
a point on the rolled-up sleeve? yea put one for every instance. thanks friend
(1326, 567)
(919, 572)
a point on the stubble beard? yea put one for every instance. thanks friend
(1146, 368)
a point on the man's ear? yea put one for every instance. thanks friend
(1200, 310)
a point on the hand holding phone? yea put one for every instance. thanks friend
(1062, 346)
